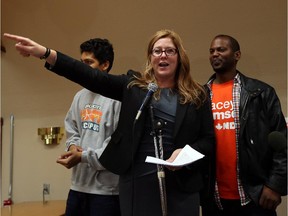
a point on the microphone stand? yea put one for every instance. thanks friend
(157, 137)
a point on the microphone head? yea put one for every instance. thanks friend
(152, 87)
(277, 141)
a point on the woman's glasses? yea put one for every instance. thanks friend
(157, 52)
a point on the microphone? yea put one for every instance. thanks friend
(152, 87)
(277, 141)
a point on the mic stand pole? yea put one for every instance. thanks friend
(157, 137)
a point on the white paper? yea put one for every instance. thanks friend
(186, 156)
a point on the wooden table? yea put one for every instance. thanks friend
(49, 208)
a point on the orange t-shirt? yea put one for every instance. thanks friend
(224, 126)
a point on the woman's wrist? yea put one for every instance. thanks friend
(51, 59)
(47, 53)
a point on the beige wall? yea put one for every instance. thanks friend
(38, 98)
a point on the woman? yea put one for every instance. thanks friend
(179, 114)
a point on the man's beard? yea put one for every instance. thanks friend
(220, 70)
(226, 66)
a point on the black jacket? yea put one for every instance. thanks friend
(193, 126)
(261, 163)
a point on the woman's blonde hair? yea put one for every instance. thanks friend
(189, 90)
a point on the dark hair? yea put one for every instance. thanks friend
(233, 42)
(101, 48)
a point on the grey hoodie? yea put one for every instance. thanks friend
(89, 123)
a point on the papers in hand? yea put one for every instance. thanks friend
(186, 156)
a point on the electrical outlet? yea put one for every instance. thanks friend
(46, 189)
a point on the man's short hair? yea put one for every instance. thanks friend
(102, 50)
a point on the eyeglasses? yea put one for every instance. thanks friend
(157, 52)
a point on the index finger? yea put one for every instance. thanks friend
(15, 37)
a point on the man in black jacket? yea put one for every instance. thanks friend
(250, 175)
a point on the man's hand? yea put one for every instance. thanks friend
(74, 147)
(71, 158)
(269, 199)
